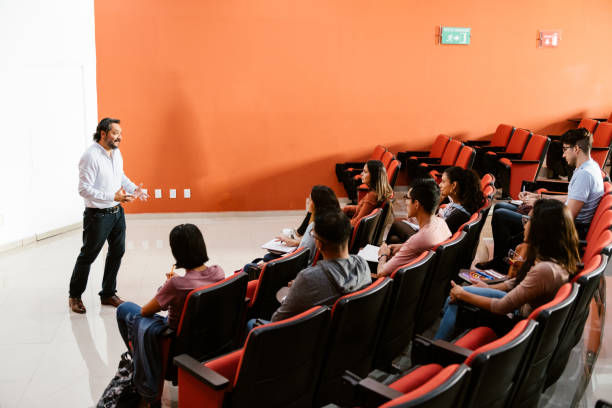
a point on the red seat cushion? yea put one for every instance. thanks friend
(476, 338)
(416, 378)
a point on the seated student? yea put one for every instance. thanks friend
(189, 251)
(462, 187)
(379, 190)
(421, 202)
(548, 265)
(336, 275)
(584, 192)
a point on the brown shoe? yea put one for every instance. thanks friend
(113, 301)
(76, 305)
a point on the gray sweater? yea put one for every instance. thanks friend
(323, 284)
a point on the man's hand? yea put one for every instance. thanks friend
(122, 197)
(384, 250)
(394, 248)
(529, 198)
(140, 194)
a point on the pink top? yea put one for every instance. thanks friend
(539, 287)
(432, 234)
(172, 295)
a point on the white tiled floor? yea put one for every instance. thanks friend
(52, 357)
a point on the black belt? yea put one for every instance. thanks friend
(110, 210)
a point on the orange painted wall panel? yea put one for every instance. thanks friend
(250, 103)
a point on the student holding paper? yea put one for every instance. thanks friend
(548, 265)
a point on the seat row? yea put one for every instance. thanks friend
(502, 363)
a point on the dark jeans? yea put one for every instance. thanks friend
(508, 229)
(97, 228)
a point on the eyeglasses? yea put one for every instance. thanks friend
(525, 219)
(566, 148)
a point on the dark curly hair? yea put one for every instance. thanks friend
(469, 193)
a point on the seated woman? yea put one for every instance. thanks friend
(374, 176)
(548, 265)
(189, 251)
(462, 188)
(321, 198)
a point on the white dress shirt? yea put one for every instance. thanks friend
(100, 176)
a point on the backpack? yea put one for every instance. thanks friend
(120, 392)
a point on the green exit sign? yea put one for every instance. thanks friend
(455, 35)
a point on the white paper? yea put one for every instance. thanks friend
(412, 225)
(278, 246)
(369, 253)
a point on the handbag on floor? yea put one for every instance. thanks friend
(120, 392)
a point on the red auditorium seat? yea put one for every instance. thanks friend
(278, 367)
(602, 140)
(363, 232)
(410, 159)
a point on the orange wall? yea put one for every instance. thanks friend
(249, 103)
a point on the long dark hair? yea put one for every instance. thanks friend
(552, 237)
(469, 193)
(324, 198)
(378, 180)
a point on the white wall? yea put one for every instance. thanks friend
(48, 112)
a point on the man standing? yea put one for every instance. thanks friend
(103, 186)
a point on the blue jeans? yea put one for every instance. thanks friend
(123, 310)
(507, 225)
(251, 324)
(447, 325)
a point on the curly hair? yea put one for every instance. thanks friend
(469, 194)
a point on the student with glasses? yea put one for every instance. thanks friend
(584, 192)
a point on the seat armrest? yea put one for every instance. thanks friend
(438, 167)
(470, 316)
(429, 160)
(200, 372)
(418, 153)
(495, 149)
(525, 162)
(552, 186)
(477, 143)
(427, 351)
(353, 164)
(554, 137)
(368, 392)
(511, 156)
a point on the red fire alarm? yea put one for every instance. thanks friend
(549, 38)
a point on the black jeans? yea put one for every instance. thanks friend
(97, 228)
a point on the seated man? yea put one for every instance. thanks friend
(421, 202)
(583, 194)
(336, 275)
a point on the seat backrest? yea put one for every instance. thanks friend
(472, 229)
(447, 388)
(496, 366)
(600, 238)
(588, 280)
(551, 319)
(604, 206)
(355, 329)
(439, 145)
(363, 233)
(378, 152)
(466, 156)
(536, 148)
(602, 138)
(489, 192)
(398, 325)
(212, 319)
(275, 275)
(487, 180)
(386, 217)
(386, 158)
(392, 172)
(450, 154)
(588, 124)
(519, 140)
(266, 374)
(437, 283)
(502, 135)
